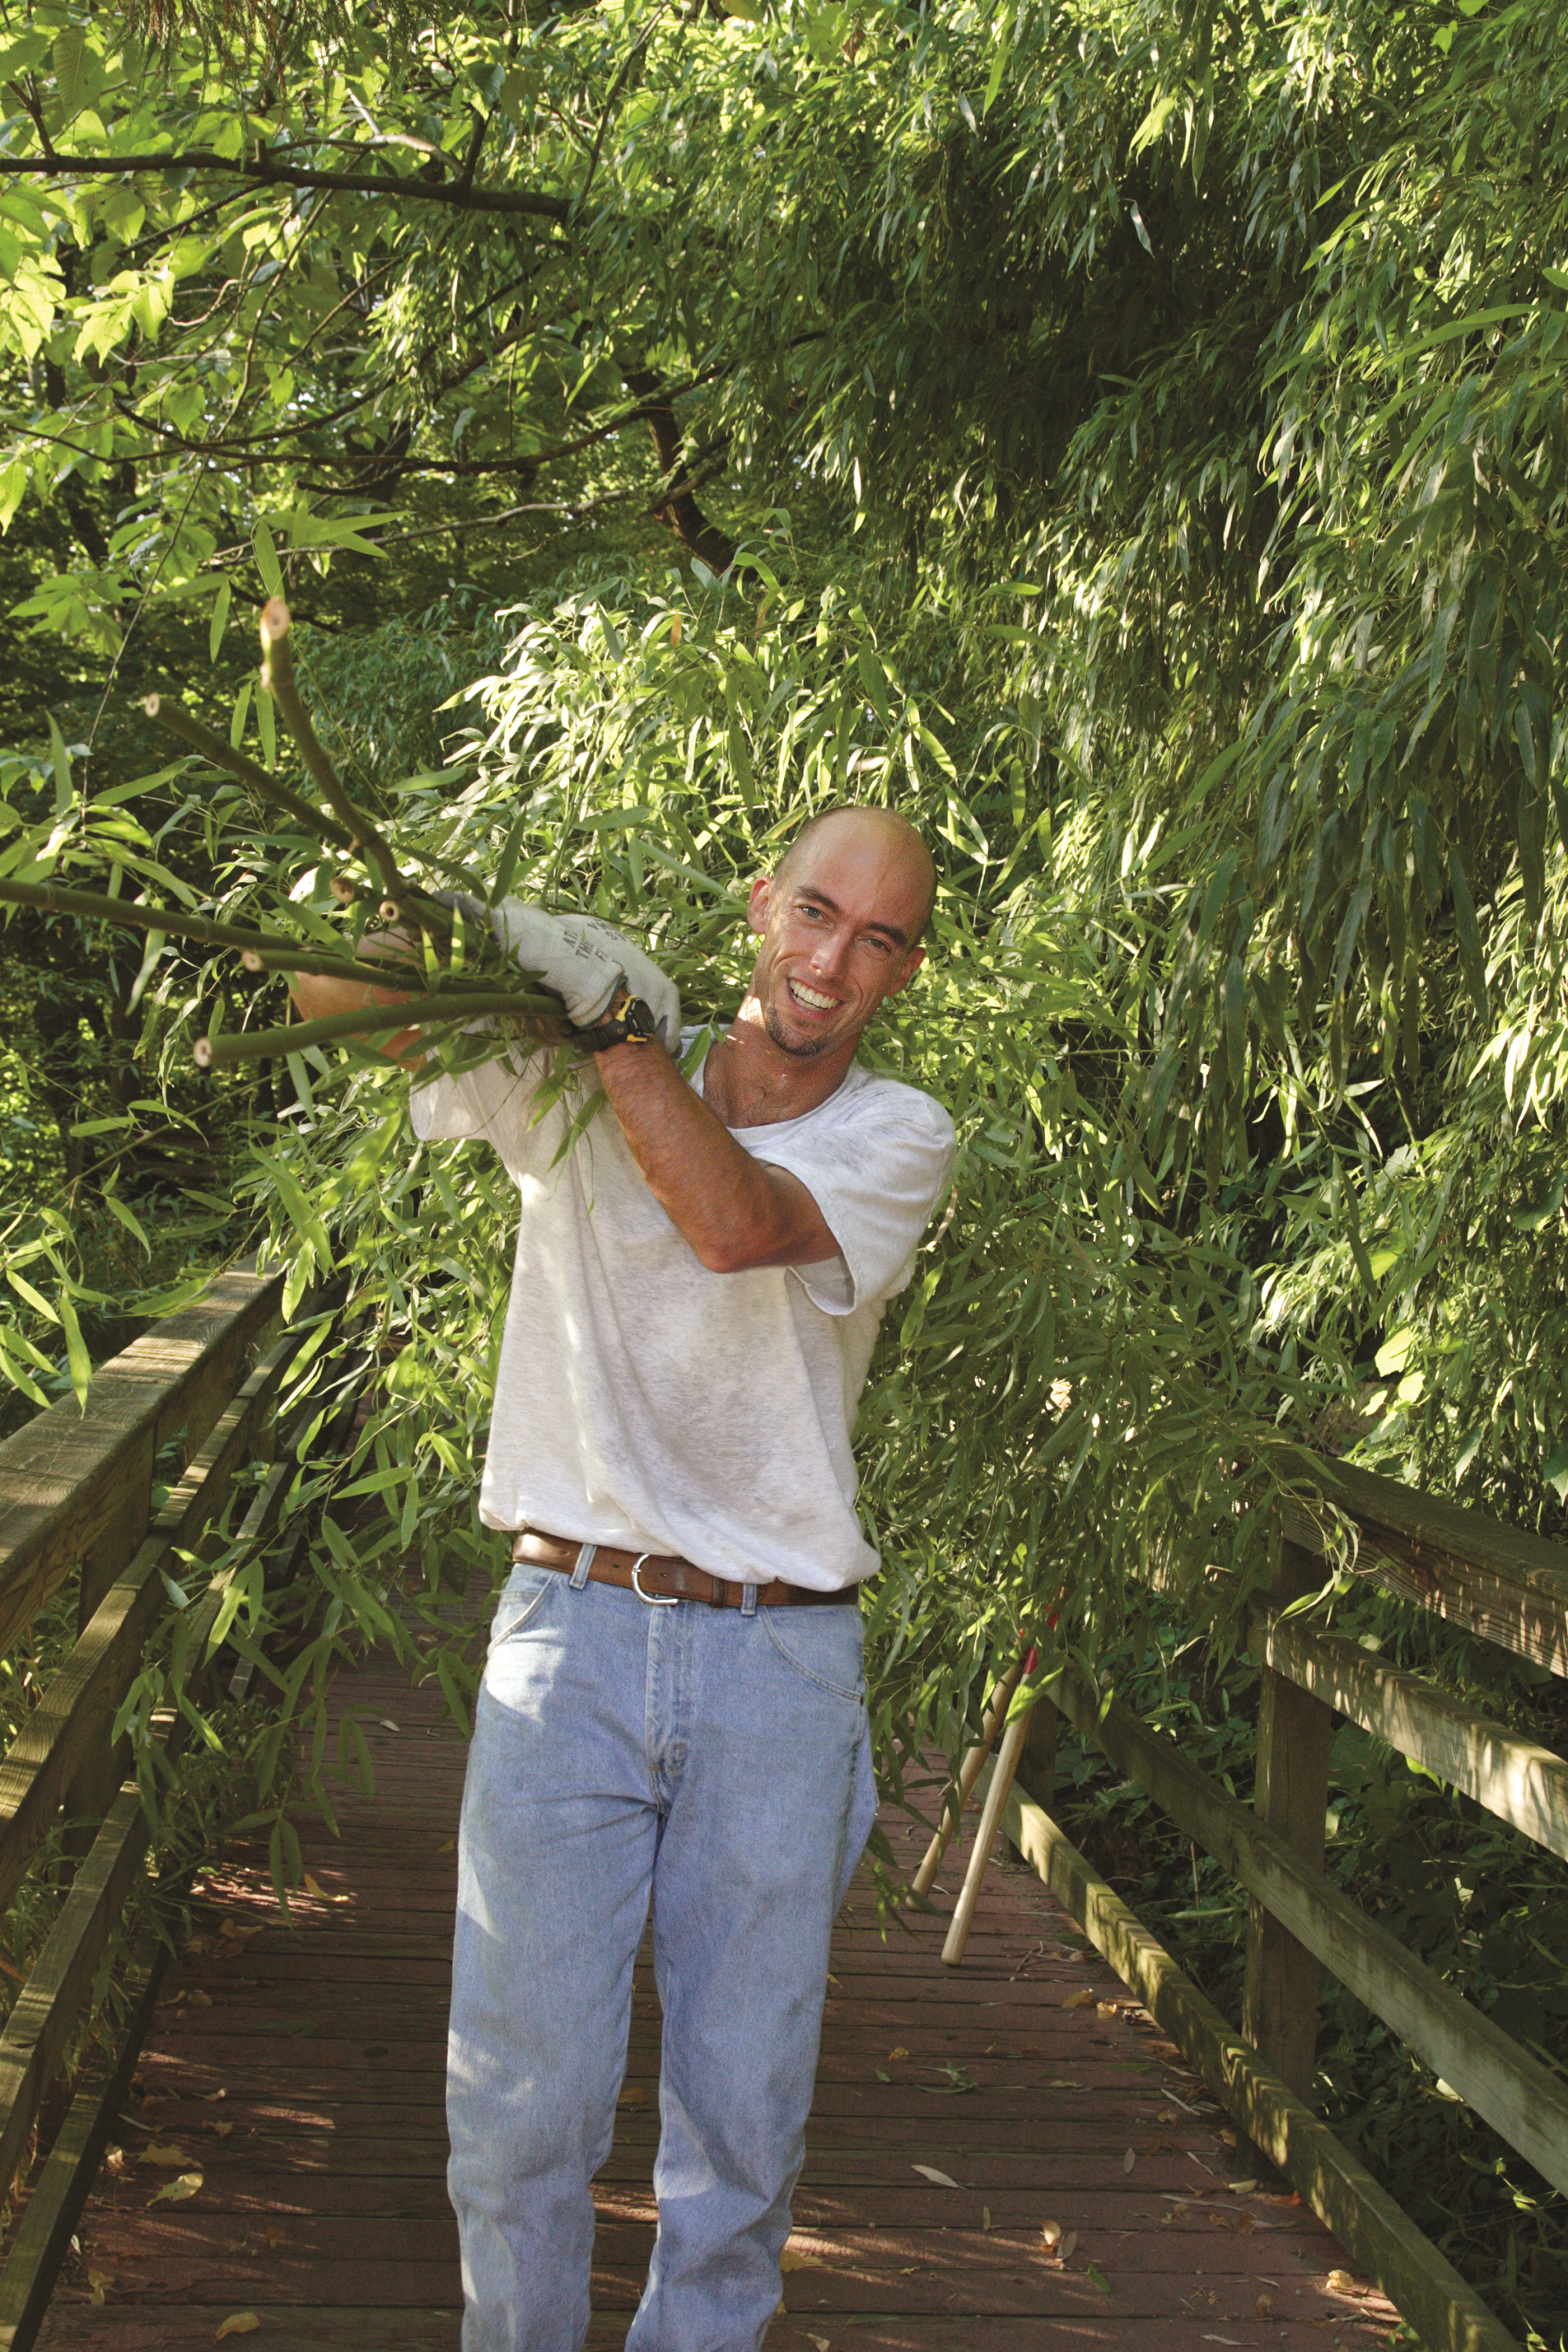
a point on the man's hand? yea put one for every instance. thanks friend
(584, 960)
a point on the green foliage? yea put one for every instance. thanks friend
(1130, 439)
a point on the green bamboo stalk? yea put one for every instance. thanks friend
(388, 973)
(54, 899)
(543, 1011)
(219, 754)
(277, 680)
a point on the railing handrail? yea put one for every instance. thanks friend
(68, 1476)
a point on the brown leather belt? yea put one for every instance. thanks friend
(659, 1577)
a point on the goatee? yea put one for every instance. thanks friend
(806, 1051)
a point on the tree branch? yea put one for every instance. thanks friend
(263, 171)
(676, 507)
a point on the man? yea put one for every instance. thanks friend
(673, 1708)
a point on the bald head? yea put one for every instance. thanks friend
(888, 837)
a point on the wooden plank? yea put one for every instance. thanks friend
(54, 2207)
(1518, 2095)
(1290, 1796)
(67, 1476)
(1523, 1783)
(1443, 2309)
(81, 1699)
(1501, 1583)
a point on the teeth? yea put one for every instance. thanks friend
(809, 996)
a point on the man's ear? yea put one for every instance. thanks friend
(912, 963)
(758, 902)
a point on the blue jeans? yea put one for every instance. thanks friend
(717, 1764)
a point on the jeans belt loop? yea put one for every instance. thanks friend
(748, 1601)
(584, 1562)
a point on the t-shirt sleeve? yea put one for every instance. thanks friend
(493, 1103)
(876, 1175)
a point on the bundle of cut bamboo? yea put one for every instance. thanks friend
(439, 955)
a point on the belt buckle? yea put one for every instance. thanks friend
(652, 1599)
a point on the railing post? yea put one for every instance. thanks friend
(1037, 1764)
(96, 1784)
(1295, 1731)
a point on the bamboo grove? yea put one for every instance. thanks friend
(1130, 437)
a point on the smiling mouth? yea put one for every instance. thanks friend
(810, 1000)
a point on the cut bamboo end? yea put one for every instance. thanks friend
(276, 621)
(390, 911)
(342, 889)
(251, 961)
(201, 1053)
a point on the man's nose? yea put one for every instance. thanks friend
(827, 955)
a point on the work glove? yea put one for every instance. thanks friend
(582, 959)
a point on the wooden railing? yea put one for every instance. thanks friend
(1506, 1587)
(76, 1505)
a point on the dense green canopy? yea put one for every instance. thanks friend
(1132, 437)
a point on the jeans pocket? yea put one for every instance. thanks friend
(526, 1592)
(824, 1645)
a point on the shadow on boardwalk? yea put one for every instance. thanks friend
(297, 2071)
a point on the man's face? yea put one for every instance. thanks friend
(839, 931)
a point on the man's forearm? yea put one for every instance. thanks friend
(735, 1211)
(318, 995)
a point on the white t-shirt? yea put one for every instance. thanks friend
(642, 1400)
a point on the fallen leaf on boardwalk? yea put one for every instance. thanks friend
(313, 1886)
(1129, 2160)
(986, 2217)
(1165, 2116)
(1222, 2340)
(937, 2180)
(634, 2096)
(223, 2130)
(241, 2323)
(831, 1978)
(207, 2098)
(1265, 2306)
(957, 2082)
(1050, 2233)
(1082, 1999)
(899, 2052)
(238, 1933)
(1241, 2187)
(166, 2152)
(1097, 2277)
(791, 2261)
(114, 2159)
(275, 2236)
(1229, 2140)
(821, 2342)
(1106, 2009)
(1341, 2283)
(1065, 2252)
(99, 2280)
(881, 2077)
(447, 1845)
(174, 2192)
(388, 1723)
(198, 1999)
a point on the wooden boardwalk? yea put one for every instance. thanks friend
(1080, 2193)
